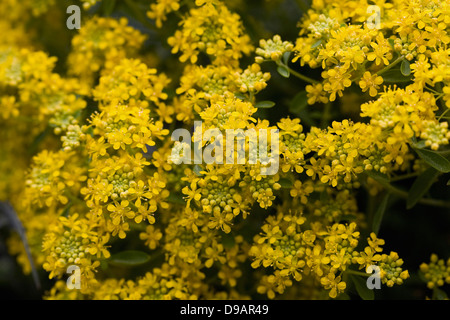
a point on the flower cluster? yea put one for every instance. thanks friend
(249, 202)
(213, 30)
(101, 44)
(295, 251)
(436, 272)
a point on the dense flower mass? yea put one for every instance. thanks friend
(291, 205)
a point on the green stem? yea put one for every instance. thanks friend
(301, 76)
(326, 116)
(391, 65)
(404, 176)
(440, 117)
(425, 201)
(251, 97)
(358, 273)
(432, 90)
(404, 195)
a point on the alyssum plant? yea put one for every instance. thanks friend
(89, 164)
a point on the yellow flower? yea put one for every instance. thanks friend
(192, 193)
(159, 10)
(381, 51)
(316, 94)
(334, 284)
(337, 79)
(370, 82)
(102, 43)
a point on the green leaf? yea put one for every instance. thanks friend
(286, 56)
(197, 170)
(391, 42)
(343, 296)
(316, 44)
(361, 287)
(421, 186)
(448, 182)
(378, 217)
(283, 71)
(434, 159)
(34, 147)
(395, 76)
(129, 258)
(299, 102)
(66, 210)
(405, 68)
(298, 106)
(176, 198)
(285, 183)
(379, 177)
(265, 104)
(228, 240)
(240, 95)
(420, 144)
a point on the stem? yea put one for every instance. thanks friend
(301, 76)
(440, 117)
(425, 201)
(404, 176)
(404, 195)
(251, 97)
(432, 90)
(326, 116)
(388, 67)
(358, 273)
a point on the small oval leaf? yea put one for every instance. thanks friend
(285, 183)
(395, 76)
(405, 68)
(316, 44)
(286, 57)
(129, 258)
(265, 104)
(283, 71)
(240, 96)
